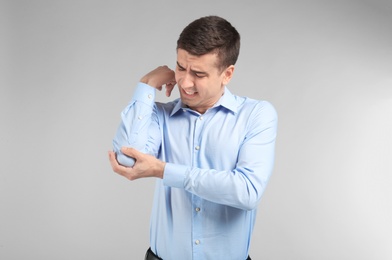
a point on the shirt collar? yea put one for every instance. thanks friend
(228, 101)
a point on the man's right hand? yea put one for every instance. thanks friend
(159, 77)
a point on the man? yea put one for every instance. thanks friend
(212, 152)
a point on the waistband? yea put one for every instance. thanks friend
(151, 256)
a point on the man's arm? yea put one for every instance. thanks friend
(136, 118)
(241, 187)
(146, 165)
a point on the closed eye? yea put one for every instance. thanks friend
(200, 75)
(180, 68)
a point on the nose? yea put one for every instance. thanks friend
(186, 81)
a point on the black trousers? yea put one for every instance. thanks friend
(151, 256)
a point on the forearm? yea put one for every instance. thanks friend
(238, 188)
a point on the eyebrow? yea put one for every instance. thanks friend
(194, 71)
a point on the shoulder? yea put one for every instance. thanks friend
(257, 107)
(261, 117)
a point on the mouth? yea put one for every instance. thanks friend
(189, 93)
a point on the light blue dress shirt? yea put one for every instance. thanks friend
(217, 167)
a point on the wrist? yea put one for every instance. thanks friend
(146, 80)
(160, 169)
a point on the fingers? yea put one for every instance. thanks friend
(169, 88)
(112, 159)
(127, 172)
(131, 152)
(117, 168)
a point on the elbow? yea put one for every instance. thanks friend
(251, 201)
(125, 160)
(254, 195)
(251, 204)
(122, 159)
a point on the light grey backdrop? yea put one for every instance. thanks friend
(69, 67)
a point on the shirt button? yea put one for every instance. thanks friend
(197, 209)
(197, 147)
(140, 117)
(197, 242)
(149, 96)
(201, 118)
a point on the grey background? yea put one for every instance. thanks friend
(69, 67)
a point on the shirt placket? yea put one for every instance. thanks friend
(197, 222)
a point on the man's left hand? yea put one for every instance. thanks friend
(145, 166)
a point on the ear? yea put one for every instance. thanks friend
(228, 74)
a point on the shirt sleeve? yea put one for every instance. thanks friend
(243, 186)
(134, 129)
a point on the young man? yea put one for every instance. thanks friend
(212, 152)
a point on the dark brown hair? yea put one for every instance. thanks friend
(211, 34)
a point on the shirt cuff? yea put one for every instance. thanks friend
(144, 93)
(174, 175)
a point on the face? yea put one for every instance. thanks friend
(200, 82)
